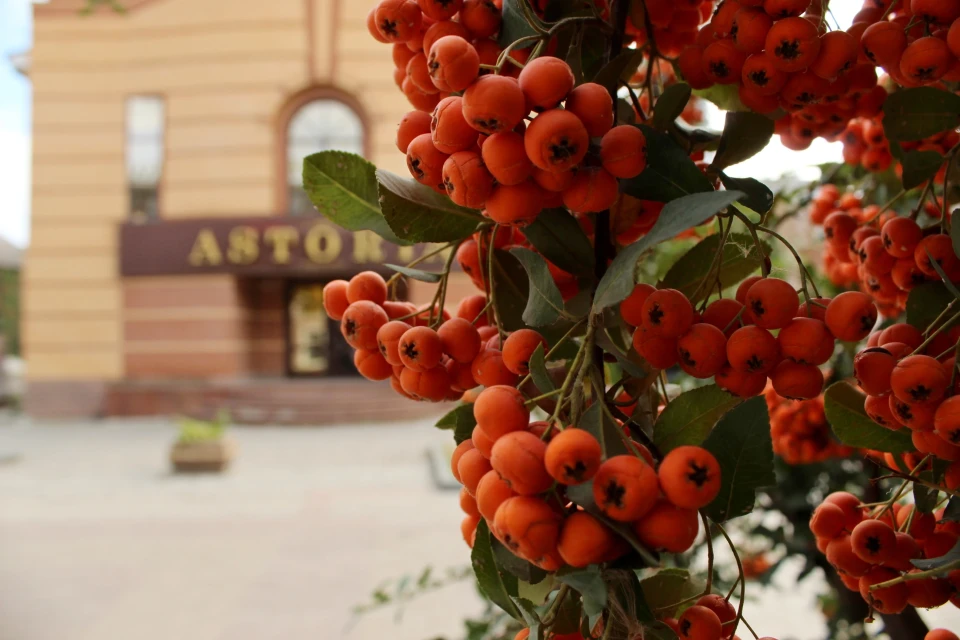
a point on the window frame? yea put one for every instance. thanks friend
(164, 133)
(284, 118)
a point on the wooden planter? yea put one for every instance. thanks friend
(203, 457)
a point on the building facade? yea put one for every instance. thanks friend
(175, 263)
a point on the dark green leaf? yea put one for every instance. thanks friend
(591, 587)
(544, 304)
(740, 259)
(514, 25)
(943, 277)
(568, 617)
(844, 408)
(924, 497)
(955, 232)
(419, 214)
(915, 114)
(745, 134)
(952, 512)
(690, 417)
(725, 96)
(620, 68)
(677, 216)
(626, 591)
(343, 187)
(510, 282)
(670, 172)
(670, 105)
(742, 445)
(629, 360)
(538, 371)
(517, 567)
(416, 274)
(596, 421)
(920, 166)
(758, 195)
(496, 585)
(461, 421)
(529, 614)
(559, 238)
(668, 587)
(926, 302)
(936, 563)
(593, 51)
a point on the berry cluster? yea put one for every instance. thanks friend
(865, 144)
(885, 254)
(515, 473)
(869, 547)
(800, 431)
(396, 341)
(469, 137)
(732, 340)
(906, 387)
(674, 24)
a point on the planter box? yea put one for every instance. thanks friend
(203, 457)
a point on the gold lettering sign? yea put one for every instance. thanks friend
(282, 238)
(205, 251)
(243, 245)
(322, 244)
(367, 247)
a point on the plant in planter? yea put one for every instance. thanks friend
(203, 446)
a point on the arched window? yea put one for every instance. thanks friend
(319, 125)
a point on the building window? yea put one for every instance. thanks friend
(146, 124)
(320, 125)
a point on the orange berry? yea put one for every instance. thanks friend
(919, 380)
(425, 161)
(506, 158)
(781, 9)
(468, 528)
(420, 349)
(397, 20)
(518, 348)
(623, 151)
(592, 104)
(668, 527)
(584, 540)
(518, 458)
(889, 600)
(625, 488)
(449, 129)
(500, 410)
(371, 365)
(529, 527)
(593, 190)
(482, 441)
(440, 9)
(335, 300)
(480, 17)
(753, 350)
(360, 324)
(660, 352)
(492, 491)
(772, 303)
(793, 44)
(459, 339)
(466, 179)
(940, 248)
(722, 314)
(883, 44)
(690, 477)
(724, 610)
(739, 383)
(367, 285)
(545, 81)
(494, 103)
(807, 341)
(797, 381)
(573, 456)
(699, 623)
(631, 308)
(926, 60)
(840, 554)
(515, 204)
(432, 385)
(874, 541)
(453, 63)
(413, 124)
(461, 449)
(723, 62)
(838, 54)
(872, 368)
(556, 140)
(851, 316)
(702, 350)
(828, 521)
(471, 467)
(667, 313)
(761, 75)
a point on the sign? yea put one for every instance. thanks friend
(272, 246)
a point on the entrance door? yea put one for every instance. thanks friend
(308, 343)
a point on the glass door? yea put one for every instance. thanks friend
(308, 331)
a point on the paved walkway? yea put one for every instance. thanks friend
(98, 541)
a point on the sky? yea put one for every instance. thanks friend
(15, 37)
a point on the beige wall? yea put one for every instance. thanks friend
(226, 69)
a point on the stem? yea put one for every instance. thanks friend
(944, 327)
(544, 396)
(764, 266)
(923, 199)
(940, 317)
(551, 615)
(743, 582)
(717, 263)
(426, 256)
(565, 387)
(493, 289)
(442, 292)
(885, 207)
(706, 527)
(920, 575)
(804, 274)
(555, 347)
(635, 101)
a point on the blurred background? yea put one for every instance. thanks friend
(158, 259)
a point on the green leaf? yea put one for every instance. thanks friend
(596, 421)
(668, 587)
(620, 68)
(591, 587)
(919, 167)
(671, 104)
(926, 302)
(844, 408)
(745, 134)
(742, 445)
(559, 238)
(460, 421)
(343, 187)
(544, 304)
(628, 594)
(943, 277)
(670, 172)
(529, 613)
(416, 274)
(539, 592)
(568, 617)
(517, 567)
(514, 25)
(936, 563)
(915, 114)
(417, 213)
(677, 216)
(924, 497)
(496, 585)
(510, 282)
(952, 511)
(538, 371)
(758, 195)
(955, 232)
(690, 417)
(725, 96)
(740, 259)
